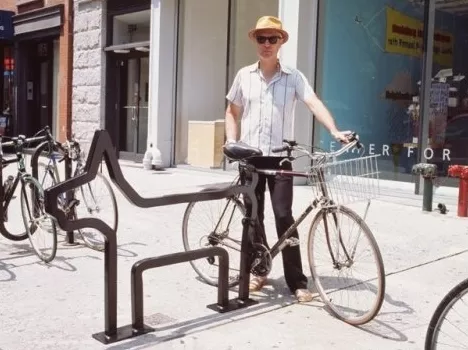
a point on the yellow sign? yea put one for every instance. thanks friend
(405, 37)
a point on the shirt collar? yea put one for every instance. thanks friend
(256, 67)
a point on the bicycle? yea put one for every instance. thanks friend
(85, 197)
(334, 183)
(36, 218)
(435, 336)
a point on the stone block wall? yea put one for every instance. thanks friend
(88, 100)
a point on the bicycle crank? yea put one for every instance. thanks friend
(261, 261)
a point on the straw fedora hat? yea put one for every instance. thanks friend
(269, 22)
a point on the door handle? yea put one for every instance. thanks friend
(43, 106)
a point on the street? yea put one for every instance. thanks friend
(61, 305)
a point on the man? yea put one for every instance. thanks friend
(264, 96)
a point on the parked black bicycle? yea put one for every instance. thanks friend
(344, 267)
(39, 226)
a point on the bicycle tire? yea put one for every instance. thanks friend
(377, 255)
(90, 244)
(211, 281)
(442, 309)
(38, 190)
(5, 232)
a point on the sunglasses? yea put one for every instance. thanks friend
(272, 39)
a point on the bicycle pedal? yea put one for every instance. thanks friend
(292, 242)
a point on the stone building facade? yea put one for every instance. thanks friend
(89, 68)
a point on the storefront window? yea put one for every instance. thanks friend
(213, 45)
(448, 132)
(369, 75)
(201, 76)
(244, 15)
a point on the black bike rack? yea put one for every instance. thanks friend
(70, 238)
(138, 327)
(102, 147)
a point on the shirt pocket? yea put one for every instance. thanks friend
(283, 94)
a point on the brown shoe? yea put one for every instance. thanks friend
(257, 283)
(303, 295)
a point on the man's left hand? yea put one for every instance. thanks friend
(340, 136)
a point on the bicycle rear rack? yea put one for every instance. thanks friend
(101, 147)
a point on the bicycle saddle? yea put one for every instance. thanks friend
(240, 150)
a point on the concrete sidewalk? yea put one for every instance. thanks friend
(59, 306)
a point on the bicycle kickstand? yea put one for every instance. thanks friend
(366, 211)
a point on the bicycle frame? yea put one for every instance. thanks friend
(20, 176)
(282, 242)
(21, 173)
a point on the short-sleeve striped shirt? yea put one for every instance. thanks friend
(268, 108)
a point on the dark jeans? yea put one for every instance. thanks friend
(281, 195)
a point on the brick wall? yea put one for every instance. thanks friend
(65, 70)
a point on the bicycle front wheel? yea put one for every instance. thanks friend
(346, 265)
(39, 225)
(214, 223)
(448, 326)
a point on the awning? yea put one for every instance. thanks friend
(6, 25)
(125, 48)
(50, 17)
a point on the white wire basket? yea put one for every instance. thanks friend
(346, 181)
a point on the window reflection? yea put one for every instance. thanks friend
(369, 75)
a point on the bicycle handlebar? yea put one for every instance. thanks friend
(293, 146)
(23, 139)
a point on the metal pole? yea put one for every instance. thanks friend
(70, 238)
(428, 194)
(426, 79)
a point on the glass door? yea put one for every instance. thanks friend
(44, 85)
(134, 114)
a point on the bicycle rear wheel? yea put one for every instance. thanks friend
(39, 225)
(214, 223)
(332, 257)
(13, 229)
(448, 327)
(96, 199)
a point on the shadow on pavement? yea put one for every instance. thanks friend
(376, 326)
(200, 324)
(20, 251)
(126, 252)
(270, 299)
(6, 275)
